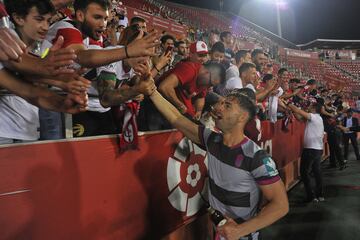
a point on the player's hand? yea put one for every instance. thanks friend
(230, 230)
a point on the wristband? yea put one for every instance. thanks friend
(126, 52)
(156, 68)
(181, 107)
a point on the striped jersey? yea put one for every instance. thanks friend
(235, 174)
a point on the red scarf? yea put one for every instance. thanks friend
(126, 115)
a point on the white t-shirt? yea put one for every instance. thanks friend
(18, 118)
(94, 104)
(232, 71)
(233, 83)
(273, 105)
(314, 132)
(118, 35)
(358, 104)
(250, 86)
(124, 22)
(116, 68)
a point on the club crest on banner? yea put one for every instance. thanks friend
(187, 177)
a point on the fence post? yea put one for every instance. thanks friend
(68, 126)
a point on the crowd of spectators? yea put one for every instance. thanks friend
(96, 64)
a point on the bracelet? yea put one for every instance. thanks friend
(181, 107)
(126, 52)
(156, 68)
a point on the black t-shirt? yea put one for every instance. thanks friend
(329, 122)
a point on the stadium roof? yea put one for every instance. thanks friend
(331, 44)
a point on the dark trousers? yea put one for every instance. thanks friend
(335, 149)
(310, 161)
(90, 123)
(352, 138)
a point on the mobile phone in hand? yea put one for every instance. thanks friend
(169, 49)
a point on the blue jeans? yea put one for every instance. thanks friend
(51, 125)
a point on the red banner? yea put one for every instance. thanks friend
(159, 22)
(341, 54)
(286, 52)
(86, 189)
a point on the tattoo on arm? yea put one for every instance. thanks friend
(108, 95)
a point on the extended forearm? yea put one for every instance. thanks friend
(355, 129)
(93, 58)
(166, 108)
(114, 97)
(298, 112)
(28, 66)
(326, 113)
(52, 82)
(48, 100)
(268, 215)
(170, 94)
(262, 94)
(287, 95)
(199, 104)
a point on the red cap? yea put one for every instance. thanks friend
(199, 47)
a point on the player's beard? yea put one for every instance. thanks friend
(87, 30)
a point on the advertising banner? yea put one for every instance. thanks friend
(159, 23)
(286, 52)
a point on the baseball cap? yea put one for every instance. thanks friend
(199, 47)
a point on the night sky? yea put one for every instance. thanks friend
(302, 20)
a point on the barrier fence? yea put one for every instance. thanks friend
(85, 189)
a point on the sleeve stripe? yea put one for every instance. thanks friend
(268, 181)
(106, 76)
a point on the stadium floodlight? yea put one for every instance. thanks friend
(280, 4)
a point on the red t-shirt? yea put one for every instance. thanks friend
(66, 29)
(187, 73)
(3, 12)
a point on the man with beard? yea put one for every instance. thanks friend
(240, 172)
(259, 59)
(186, 85)
(84, 36)
(182, 52)
(87, 28)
